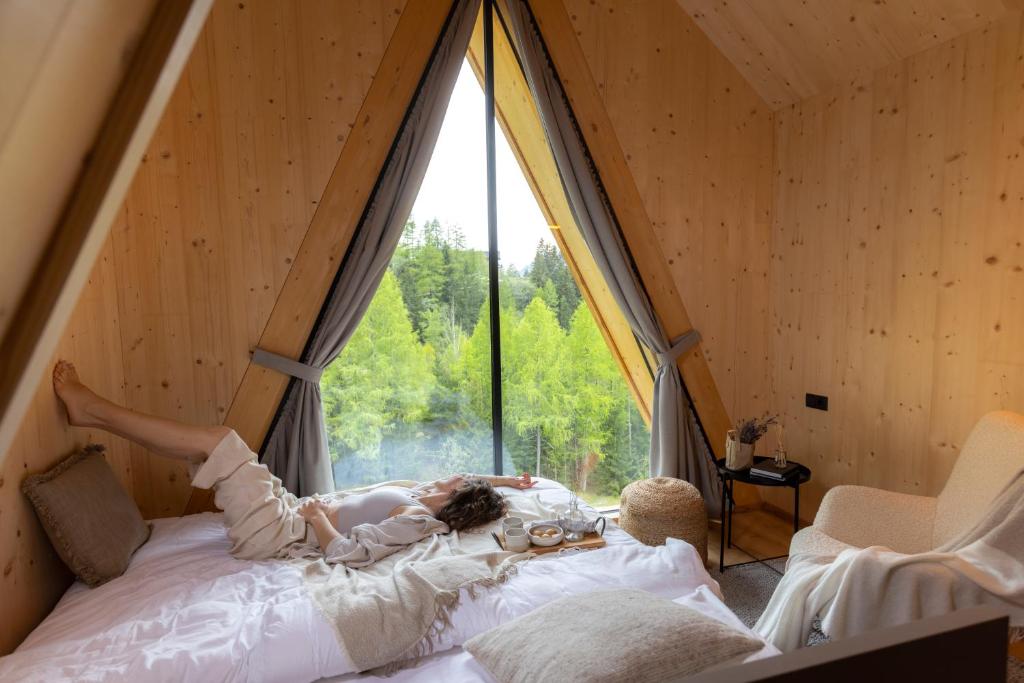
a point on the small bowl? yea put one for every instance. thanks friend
(545, 541)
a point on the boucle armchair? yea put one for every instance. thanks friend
(859, 516)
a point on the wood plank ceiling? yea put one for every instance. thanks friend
(789, 50)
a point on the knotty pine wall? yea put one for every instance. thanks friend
(698, 140)
(51, 62)
(194, 263)
(864, 243)
(897, 271)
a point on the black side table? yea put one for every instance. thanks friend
(729, 478)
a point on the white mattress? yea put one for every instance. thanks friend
(186, 610)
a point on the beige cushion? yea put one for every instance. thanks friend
(992, 454)
(813, 541)
(607, 636)
(861, 516)
(92, 523)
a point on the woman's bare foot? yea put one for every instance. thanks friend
(77, 398)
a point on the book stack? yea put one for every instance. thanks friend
(769, 470)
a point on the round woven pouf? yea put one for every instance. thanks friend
(653, 509)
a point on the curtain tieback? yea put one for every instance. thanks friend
(287, 366)
(680, 345)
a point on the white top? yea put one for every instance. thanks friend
(372, 507)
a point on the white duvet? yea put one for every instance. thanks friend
(187, 611)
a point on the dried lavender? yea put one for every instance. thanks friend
(753, 429)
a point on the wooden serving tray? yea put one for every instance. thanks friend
(591, 541)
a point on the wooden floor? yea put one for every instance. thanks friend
(756, 534)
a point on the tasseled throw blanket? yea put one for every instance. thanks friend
(863, 589)
(392, 610)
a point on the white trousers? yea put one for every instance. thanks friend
(261, 516)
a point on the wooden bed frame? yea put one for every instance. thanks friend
(967, 645)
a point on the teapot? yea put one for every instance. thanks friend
(575, 522)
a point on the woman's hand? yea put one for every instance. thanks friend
(312, 508)
(521, 482)
(317, 513)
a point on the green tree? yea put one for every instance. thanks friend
(382, 380)
(473, 372)
(419, 266)
(465, 279)
(535, 389)
(592, 378)
(549, 295)
(549, 266)
(410, 396)
(515, 290)
(628, 447)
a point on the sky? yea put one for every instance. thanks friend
(455, 187)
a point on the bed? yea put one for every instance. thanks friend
(187, 610)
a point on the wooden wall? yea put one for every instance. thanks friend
(50, 63)
(897, 274)
(223, 199)
(793, 49)
(194, 264)
(698, 141)
(864, 243)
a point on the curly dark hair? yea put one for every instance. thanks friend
(473, 503)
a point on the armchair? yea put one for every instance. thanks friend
(860, 516)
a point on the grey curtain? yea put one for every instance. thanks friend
(677, 447)
(296, 448)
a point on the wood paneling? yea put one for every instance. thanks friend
(199, 253)
(698, 142)
(563, 39)
(222, 202)
(32, 577)
(898, 263)
(793, 49)
(57, 280)
(335, 220)
(51, 63)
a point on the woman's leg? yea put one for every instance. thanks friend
(165, 437)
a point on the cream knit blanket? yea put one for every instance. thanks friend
(389, 613)
(864, 589)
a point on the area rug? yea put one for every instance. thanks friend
(747, 589)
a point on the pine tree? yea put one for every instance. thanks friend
(410, 395)
(382, 380)
(591, 376)
(535, 391)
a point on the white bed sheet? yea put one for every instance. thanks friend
(186, 610)
(458, 666)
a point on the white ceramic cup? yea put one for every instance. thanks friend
(516, 539)
(511, 523)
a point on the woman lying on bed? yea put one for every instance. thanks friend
(263, 519)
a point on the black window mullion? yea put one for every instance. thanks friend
(492, 236)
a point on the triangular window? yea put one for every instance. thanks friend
(410, 396)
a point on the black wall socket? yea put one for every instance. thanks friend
(817, 402)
